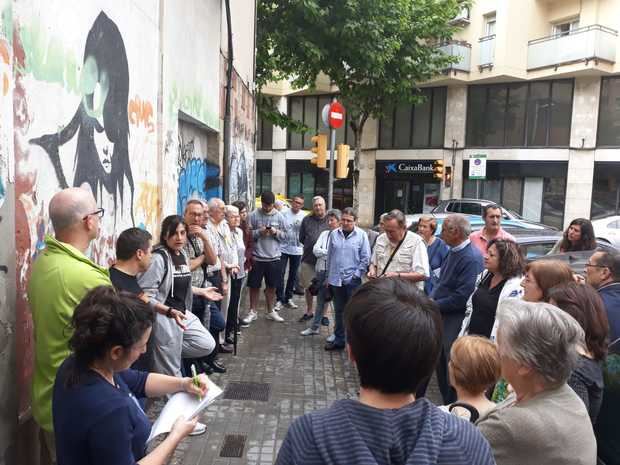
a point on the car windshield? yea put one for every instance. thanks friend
(514, 213)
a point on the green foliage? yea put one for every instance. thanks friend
(375, 51)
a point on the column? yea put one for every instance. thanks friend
(456, 114)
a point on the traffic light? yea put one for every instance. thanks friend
(448, 177)
(438, 169)
(320, 150)
(342, 163)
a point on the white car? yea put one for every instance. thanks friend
(608, 230)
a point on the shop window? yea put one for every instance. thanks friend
(536, 114)
(263, 176)
(605, 190)
(609, 113)
(418, 126)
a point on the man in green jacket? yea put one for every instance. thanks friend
(61, 276)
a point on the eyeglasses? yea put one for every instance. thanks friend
(99, 212)
(587, 265)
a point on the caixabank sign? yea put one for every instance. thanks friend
(413, 168)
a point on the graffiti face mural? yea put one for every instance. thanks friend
(101, 120)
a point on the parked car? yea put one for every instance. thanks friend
(608, 230)
(577, 260)
(473, 207)
(478, 223)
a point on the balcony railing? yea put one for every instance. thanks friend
(587, 43)
(487, 51)
(461, 50)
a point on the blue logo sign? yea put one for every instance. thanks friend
(391, 168)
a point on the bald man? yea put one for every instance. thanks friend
(61, 276)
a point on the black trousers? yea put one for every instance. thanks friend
(236, 285)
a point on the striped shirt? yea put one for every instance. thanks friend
(350, 432)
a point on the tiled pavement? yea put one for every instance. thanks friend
(303, 378)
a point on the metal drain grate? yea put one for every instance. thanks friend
(248, 391)
(233, 445)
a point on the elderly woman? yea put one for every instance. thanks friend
(237, 275)
(542, 275)
(543, 421)
(437, 250)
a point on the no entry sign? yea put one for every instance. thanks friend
(336, 115)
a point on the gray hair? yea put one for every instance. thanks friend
(539, 336)
(317, 198)
(398, 216)
(349, 211)
(382, 217)
(458, 222)
(231, 210)
(335, 213)
(432, 221)
(216, 203)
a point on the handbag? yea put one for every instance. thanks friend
(392, 256)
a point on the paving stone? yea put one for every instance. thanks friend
(303, 378)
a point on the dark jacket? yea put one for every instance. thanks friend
(311, 228)
(610, 293)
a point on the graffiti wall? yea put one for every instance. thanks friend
(241, 163)
(84, 115)
(190, 102)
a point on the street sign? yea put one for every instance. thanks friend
(478, 166)
(336, 115)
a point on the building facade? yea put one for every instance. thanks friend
(139, 87)
(536, 89)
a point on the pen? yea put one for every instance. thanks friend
(195, 379)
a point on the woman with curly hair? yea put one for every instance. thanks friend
(579, 236)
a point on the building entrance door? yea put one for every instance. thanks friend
(396, 196)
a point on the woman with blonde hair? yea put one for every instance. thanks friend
(474, 368)
(437, 249)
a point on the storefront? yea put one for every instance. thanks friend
(534, 189)
(407, 185)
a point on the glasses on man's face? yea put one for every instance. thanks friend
(99, 212)
(594, 265)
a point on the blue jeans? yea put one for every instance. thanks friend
(321, 276)
(284, 295)
(342, 295)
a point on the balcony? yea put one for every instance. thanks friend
(460, 50)
(591, 43)
(487, 51)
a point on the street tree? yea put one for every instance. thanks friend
(376, 52)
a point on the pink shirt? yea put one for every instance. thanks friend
(480, 240)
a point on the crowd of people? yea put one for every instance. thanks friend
(519, 349)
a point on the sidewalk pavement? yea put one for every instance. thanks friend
(301, 377)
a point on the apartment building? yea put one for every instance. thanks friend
(536, 89)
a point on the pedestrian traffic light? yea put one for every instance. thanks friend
(448, 176)
(320, 150)
(342, 163)
(438, 169)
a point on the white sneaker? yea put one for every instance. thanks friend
(291, 304)
(277, 307)
(252, 315)
(331, 338)
(199, 429)
(309, 332)
(274, 316)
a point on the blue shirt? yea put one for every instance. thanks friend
(437, 254)
(348, 257)
(96, 423)
(350, 432)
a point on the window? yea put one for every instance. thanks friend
(263, 176)
(265, 135)
(489, 24)
(415, 126)
(609, 113)
(536, 114)
(314, 181)
(565, 28)
(535, 250)
(605, 190)
(307, 109)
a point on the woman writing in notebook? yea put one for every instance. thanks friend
(97, 419)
